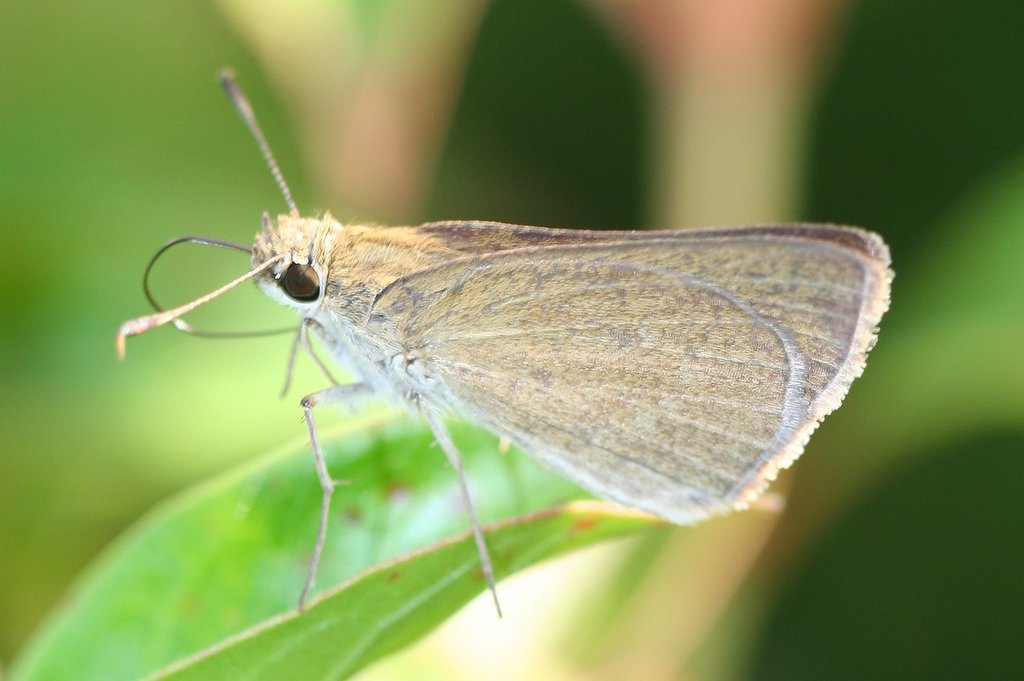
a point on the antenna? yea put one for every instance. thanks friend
(238, 98)
(181, 324)
(134, 327)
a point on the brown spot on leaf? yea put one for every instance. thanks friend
(583, 525)
(397, 492)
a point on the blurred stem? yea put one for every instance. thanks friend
(728, 153)
(730, 82)
(372, 86)
(681, 594)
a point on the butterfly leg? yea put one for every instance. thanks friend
(302, 341)
(339, 395)
(451, 451)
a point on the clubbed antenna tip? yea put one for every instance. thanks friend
(227, 80)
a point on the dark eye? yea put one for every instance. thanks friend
(301, 282)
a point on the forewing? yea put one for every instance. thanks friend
(479, 236)
(675, 372)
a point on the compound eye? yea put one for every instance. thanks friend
(301, 283)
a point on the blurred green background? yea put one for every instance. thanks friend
(900, 553)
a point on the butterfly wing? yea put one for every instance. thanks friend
(480, 236)
(671, 371)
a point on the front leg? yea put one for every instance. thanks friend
(301, 340)
(339, 394)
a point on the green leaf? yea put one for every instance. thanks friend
(231, 555)
(394, 603)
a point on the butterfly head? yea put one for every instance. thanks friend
(299, 245)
